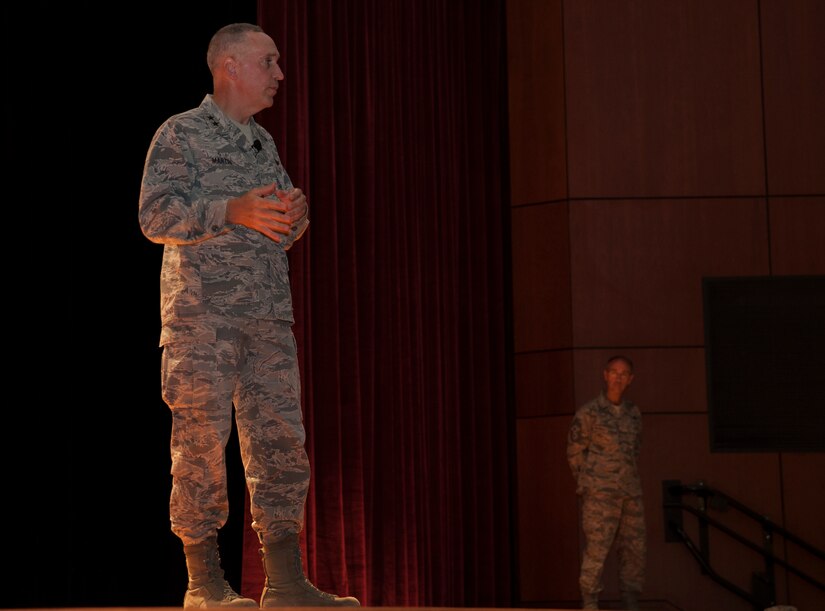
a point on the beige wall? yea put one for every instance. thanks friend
(654, 142)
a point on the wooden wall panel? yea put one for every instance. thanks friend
(544, 383)
(663, 98)
(798, 234)
(637, 265)
(549, 548)
(541, 277)
(793, 57)
(663, 105)
(538, 171)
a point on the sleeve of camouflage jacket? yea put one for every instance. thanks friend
(578, 440)
(173, 210)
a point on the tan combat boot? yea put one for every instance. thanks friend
(207, 587)
(590, 600)
(630, 600)
(286, 585)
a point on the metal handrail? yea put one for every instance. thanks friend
(673, 491)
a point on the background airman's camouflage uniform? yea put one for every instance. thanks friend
(226, 325)
(602, 449)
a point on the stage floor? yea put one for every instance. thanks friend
(650, 605)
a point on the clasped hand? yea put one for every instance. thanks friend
(271, 216)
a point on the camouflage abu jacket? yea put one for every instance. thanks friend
(197, 161)
(603, 447)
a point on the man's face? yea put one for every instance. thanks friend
(258, 71)
(617, 377)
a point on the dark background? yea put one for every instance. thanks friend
(90, 452)
(89, 87)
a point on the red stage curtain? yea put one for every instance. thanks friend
(392, 117)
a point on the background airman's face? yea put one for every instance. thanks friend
(618, 376)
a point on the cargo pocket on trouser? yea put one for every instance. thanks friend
(198, 504)
(188, 374)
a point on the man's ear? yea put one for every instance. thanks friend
(231, 67)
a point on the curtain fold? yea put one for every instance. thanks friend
(392, 119)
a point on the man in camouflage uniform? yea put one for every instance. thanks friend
(602, 449)
(215, 194)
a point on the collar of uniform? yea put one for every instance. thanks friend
(234, 129)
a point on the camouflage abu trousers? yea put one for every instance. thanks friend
(204, 370)
(607, 518)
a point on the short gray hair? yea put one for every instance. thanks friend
(226, 38)
(619, 357)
